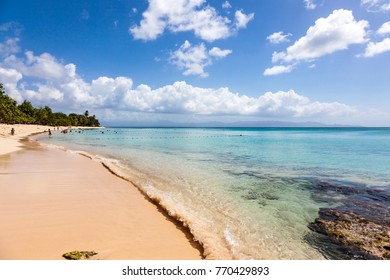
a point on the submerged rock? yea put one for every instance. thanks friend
(361, 235)
(361, 221)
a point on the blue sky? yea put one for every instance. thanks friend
(130, 61)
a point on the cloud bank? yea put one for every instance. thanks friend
(59, 85)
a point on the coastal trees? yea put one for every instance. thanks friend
(11, 112)
(28, 109)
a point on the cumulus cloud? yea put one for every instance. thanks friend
(44, 66)
(242, 19)
(336, 32)
(217, 52)
(328, 35)
(376, 5)
(278, 37)
(52, 79)
(186, 15)
(118, 94)
(384, 29)
(44, 79)
(10, 76)
(183, 98)
(195, 58)
(278, 69)
(374, 49)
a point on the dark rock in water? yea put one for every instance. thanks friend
(334, 192)
(269, 196)
(333, 249)
(354, 231)
(361, 222)
(252, 195)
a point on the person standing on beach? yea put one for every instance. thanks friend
(49, 132)
(12, 131)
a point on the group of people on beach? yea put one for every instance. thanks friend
(49, 131)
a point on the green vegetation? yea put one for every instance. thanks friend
(26, 113)
(79, 255)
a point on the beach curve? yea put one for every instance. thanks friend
(53, 202)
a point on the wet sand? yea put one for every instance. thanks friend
(53, 202)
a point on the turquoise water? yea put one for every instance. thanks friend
(245, 193)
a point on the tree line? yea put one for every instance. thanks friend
(26, 113)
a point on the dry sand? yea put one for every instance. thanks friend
(53, 202)
(10, 143)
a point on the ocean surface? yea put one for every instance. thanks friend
(245, 193)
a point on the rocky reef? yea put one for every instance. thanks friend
(359, 224)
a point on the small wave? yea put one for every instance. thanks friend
(201, 226)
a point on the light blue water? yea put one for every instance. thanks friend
(243, 192)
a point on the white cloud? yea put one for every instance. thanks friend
(110, 91)
(195, 58)
(186, 15)
(11, 27)
(10, 46)
(44, 66)
(49, 93)
(52, 79)
(278, 37)
(217, 52)
(117, 94)
(309, 4)
(186, 99)
(44, 79)
(242, 19)
(226, 5)
(376, 5)
(192, 58)
(336, 32)
(384, 29)
(278, 69)
(374, 49)
(10, 78)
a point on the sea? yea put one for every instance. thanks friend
(244, 193)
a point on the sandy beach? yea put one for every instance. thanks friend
(53, 202)
(10, 143)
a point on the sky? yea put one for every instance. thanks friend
(194, 61)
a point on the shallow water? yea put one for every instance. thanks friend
(244, 193)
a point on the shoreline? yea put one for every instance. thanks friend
(61, 202)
